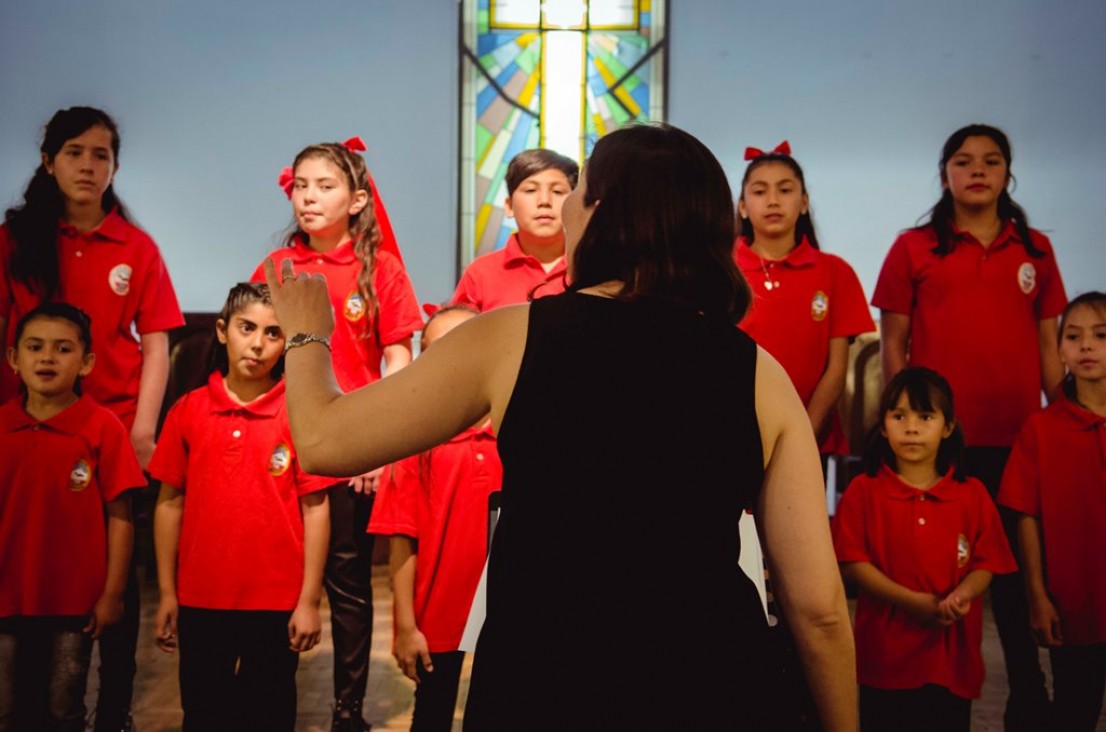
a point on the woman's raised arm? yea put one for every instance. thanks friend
(470, 372)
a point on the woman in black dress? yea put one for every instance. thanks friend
(635, 424)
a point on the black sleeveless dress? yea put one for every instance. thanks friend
(630, 448)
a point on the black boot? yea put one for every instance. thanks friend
(347, 717)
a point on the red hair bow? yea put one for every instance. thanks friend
(287, 179)
(355, 144)
(752, 153)
(430, 309)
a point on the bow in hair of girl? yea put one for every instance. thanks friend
(752, 153)
(355, 144)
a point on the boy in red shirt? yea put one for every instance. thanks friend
(532, 262)
(240, 532)
(62, 571)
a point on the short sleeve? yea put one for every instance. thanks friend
(394, 509)
(895, 286)
(158, 308)
(990, 550)
(467, 293)
(118, 468)
(170, 461)
(399, 316)
(850, 314)
(849, 537)
(1020, 489)
(1053, 297)
(307, 483)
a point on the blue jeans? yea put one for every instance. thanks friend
(43, 674)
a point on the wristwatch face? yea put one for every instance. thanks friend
(299, 339)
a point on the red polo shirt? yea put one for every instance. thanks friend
(799, 303)
(115, 274)
(55, 477)
(975, 315)
(1057, 472)
(241, 541)
(357, 345)
(927, 541)
(441, 500)
(507, 276)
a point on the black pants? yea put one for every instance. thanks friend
(1078, 683)
(348, 581)
(236, 670)
(927, 709)
(1027, 704)
(118, 644)
(436, 694)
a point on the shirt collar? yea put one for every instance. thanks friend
(1078, 417)
(70, 420)
(802, 255)
(515, 256)
(342, 254)
(944, 490)
(1008, 234)
(113, 228)
(266, 405)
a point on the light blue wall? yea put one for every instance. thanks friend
(214, 97)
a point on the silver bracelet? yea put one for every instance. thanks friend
(302, 339)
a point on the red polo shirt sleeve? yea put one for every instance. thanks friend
(400, 316)
(895, 286)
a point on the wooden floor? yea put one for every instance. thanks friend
(389, 698)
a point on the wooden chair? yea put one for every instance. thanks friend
(858, 405)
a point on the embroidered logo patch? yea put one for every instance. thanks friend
(819, 306)
(280, 460)
(963, 551)
(80, 476)
(120, 279)
(354, 309)
(1027, 277)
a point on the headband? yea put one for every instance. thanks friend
(287, 180)
(752, 153)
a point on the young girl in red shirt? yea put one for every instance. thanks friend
(807, 304)
(1056, 481)
(65, 462)
(337, 233)
(240, 532)
(921, 543)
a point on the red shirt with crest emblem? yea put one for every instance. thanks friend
(975, 315)
(357, 344)
(799, 303)
(55, 477)
(926, 541)
(241, 541)
(114, 273)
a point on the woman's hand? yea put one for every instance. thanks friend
(301, 302)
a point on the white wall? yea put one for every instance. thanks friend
(214, 97)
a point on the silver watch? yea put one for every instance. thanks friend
(302, 339)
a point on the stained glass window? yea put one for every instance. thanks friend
(553, 73)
